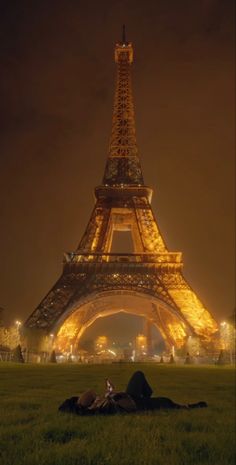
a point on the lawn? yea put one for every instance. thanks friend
(34, 433)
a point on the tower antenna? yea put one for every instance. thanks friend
(123, 34)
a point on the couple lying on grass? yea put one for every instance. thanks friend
(137, 397)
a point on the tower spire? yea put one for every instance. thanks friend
(123, 35)
(123, 164)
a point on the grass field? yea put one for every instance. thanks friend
(34, 433)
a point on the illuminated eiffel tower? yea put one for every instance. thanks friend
(97, 283)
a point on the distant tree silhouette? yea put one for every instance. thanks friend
(220, 360)
(17, 355)
(53, 357)
(188, 359)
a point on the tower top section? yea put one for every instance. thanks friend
(124, 50)
(123, 165)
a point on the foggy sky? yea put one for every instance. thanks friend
(57, 85)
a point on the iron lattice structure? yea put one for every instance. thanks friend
(96, 282)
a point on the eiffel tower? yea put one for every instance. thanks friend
(97, 283)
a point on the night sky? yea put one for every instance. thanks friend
(57, 84)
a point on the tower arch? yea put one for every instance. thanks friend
(167, 320)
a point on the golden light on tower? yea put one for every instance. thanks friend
(152, 273)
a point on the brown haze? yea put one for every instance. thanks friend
(57, 81)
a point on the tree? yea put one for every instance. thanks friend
(188, 359)
(228, 335)
(9, 336)
(17, 355)
(53, 357)
(222, 359)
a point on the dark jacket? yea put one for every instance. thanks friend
(119, 402)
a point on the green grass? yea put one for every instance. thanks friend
(34, 433)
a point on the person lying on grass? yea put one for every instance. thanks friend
(137, 397)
